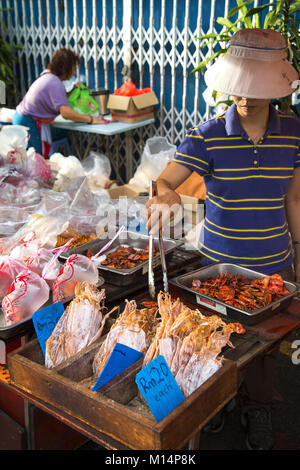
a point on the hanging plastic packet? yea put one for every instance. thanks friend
(78, 268)
(46, 263)
(9, 269)
(29, 291)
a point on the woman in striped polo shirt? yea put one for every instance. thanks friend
(249, 159)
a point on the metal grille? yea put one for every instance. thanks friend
(149, 41)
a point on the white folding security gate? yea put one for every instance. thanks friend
(149, 41)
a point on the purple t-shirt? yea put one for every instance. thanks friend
(44, 98)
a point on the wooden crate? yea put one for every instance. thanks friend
(116, 410)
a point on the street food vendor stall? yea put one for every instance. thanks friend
(131, 342)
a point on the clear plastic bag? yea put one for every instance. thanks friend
(39, 232)
(13, 145)
(158, 152)
(37, 167)
(27, 294)
(11, 220)
(54, 204)
(83, 210)
(97, 168)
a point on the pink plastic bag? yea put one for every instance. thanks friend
(29, 290)
(45, 263)
(78, 268)
(27, 293)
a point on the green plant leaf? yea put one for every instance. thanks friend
(256, 10)
(227, 23)
(201, 67)
(241, 5)
(212, 35)
(294, 8)
(256, 20)
(244, 10)
(214, 42)
(270, 19)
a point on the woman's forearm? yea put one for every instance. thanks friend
(68, 113)
(172, 177)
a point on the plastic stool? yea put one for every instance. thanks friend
(59, 144)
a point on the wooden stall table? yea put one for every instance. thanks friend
(258, 340)
(111, 129)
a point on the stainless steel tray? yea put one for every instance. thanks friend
(184, 282)
(124, 277)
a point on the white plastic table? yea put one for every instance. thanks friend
(111, 129)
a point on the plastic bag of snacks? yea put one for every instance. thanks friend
(27, 294)
(9, 269)
(78, 268)
(45, 262)
(13, 144)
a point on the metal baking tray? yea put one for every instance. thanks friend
(137, 240)
(17, 330)
(184, 282)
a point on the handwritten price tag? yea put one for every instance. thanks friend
(159, 388)
(45, 320)
(120, 359)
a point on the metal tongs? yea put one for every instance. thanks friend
(151, 285)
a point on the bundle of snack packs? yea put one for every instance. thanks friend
(30, 282)
(26, 286)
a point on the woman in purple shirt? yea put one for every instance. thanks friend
(47, 98)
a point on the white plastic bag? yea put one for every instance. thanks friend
(27, 294)
(158, 152)
(39, 232)
(9, 269)
(65, 169)
(77, 268)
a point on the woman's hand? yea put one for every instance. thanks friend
(97, 120)
(69, 113)
(161, 210)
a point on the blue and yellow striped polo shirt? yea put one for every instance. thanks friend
(246, 184)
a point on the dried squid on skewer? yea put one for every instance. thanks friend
(190, 342)
(79, 326)
(134, 328)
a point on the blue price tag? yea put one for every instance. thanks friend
(45, 320)
(159, 388)
(120, 359)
